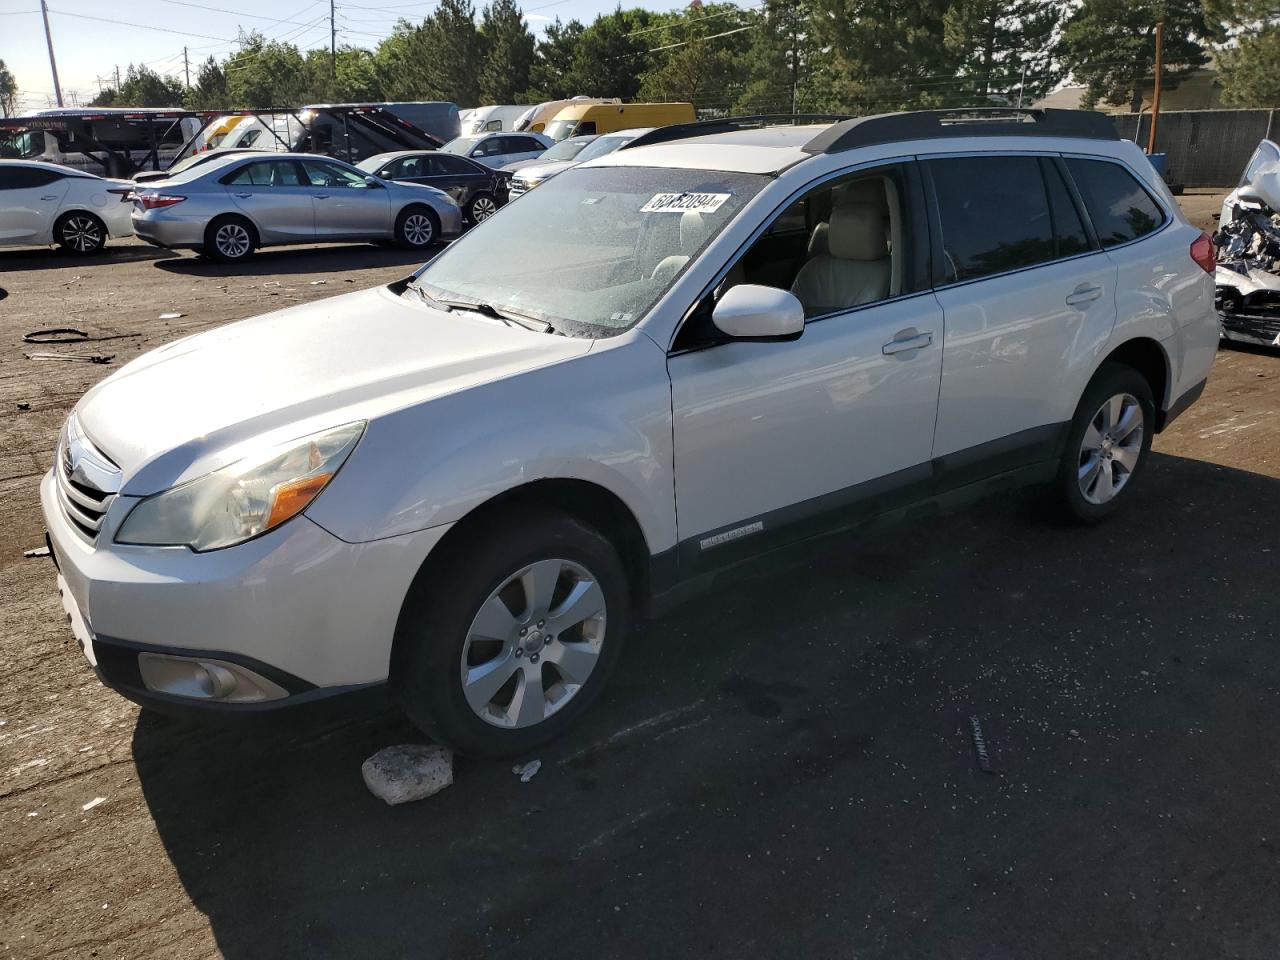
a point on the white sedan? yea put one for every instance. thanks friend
(49, 203)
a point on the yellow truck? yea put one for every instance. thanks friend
(582, 119)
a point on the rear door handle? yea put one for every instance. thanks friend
(905, 340)
(321, 196)
(244, 196)
(54, 197)
(1083, 294)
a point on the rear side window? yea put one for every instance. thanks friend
(1068, 229)
(20, 178)
(1121, 209)
(995, 214)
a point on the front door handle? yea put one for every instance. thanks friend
(1083, 294)
(321, 196)
(54, 197)
(909, 339)
(244, 196)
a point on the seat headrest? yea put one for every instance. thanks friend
(861, 191)
(693, 230)
(857, 233)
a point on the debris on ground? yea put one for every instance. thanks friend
(980, 746)
(527, 771)
(73, 357)
(55, 335)
(408, 772)
(171, 315)
(23, 405)
(36, 552)
(316, 283)
(93, 803)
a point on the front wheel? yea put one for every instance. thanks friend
(481, 207)
(1108, 443)
(503, 646)
(416, 228)
(80, 233)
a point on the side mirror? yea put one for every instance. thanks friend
(1247, 193)
(752, 312)
(373, 181)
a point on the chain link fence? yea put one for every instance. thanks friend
(1204, 148)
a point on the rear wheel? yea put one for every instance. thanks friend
(1108, 443)
(416, 228)
(503, 646)
(80, 233)
(229, 239)
(481, 207)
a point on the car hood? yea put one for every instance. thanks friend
(200, 403)
(541, 171)
(518, 165)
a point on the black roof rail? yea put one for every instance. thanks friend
(702, 128)
(963, 122)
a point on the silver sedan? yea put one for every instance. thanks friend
(228, 208)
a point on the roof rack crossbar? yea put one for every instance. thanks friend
(702, 128)
(962, 122)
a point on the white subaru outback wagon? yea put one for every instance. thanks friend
(723, 339)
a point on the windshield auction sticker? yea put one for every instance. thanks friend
(685, 202)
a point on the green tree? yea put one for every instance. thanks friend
(779, 59)
(1249, 66)
(445, 54)
(695, 56)
(209, 92)
(398, 75)
(352, 76)
(8, 92)
(882, 55)
(1109, 45)
(509, 54)
(266, 74)
(610, 58)
(551, 77)
(142, 87)
(997, 40)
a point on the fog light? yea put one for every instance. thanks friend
(212, 680)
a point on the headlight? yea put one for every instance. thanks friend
(248, 498)
(531, 183)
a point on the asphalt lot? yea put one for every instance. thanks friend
(783, 768)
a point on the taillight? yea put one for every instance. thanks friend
(1202, 253)
(124, 193)
(156, 201)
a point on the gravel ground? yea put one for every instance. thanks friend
(783, 768)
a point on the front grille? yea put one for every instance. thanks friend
(517, 188)
(87, 481)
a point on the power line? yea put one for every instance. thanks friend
(135, 24)
(237, 13)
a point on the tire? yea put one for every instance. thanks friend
(481, 207)
(482, 589)
(80, 233)
(230, 239)
(417, 228)
(1107, 445)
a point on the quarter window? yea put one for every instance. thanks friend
(995, 214)
(1121, 209)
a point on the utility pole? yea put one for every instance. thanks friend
(1155, 95)
(53, 64)
(333, 43)
(186, 67)
(117, 78)
(1022, 84)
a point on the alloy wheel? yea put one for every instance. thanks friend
(533, 643)
(482, 208)
(418, 229)
(82, 234)
(1110, 449)
(232, 240)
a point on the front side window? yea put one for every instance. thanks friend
(489, 147)
(592, 250)
(321, 173)
(559, 129)
(599, 147)
(845, 244)
(994, 215)
(459, 145)
(1121, 209)
(1266, 153)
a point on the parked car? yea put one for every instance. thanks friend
(498, 149)
(49, 203)
(228, 208)
(565, 150)
(527, 176)
(535, 119)
(492, 119)
(578, 119)
(195, 160)
(477, 189)
(658, 365)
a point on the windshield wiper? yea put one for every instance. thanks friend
(500, 313)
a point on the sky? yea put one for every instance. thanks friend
(91, 38)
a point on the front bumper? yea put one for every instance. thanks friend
(292, 616)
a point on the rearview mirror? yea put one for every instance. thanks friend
(752, 312)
